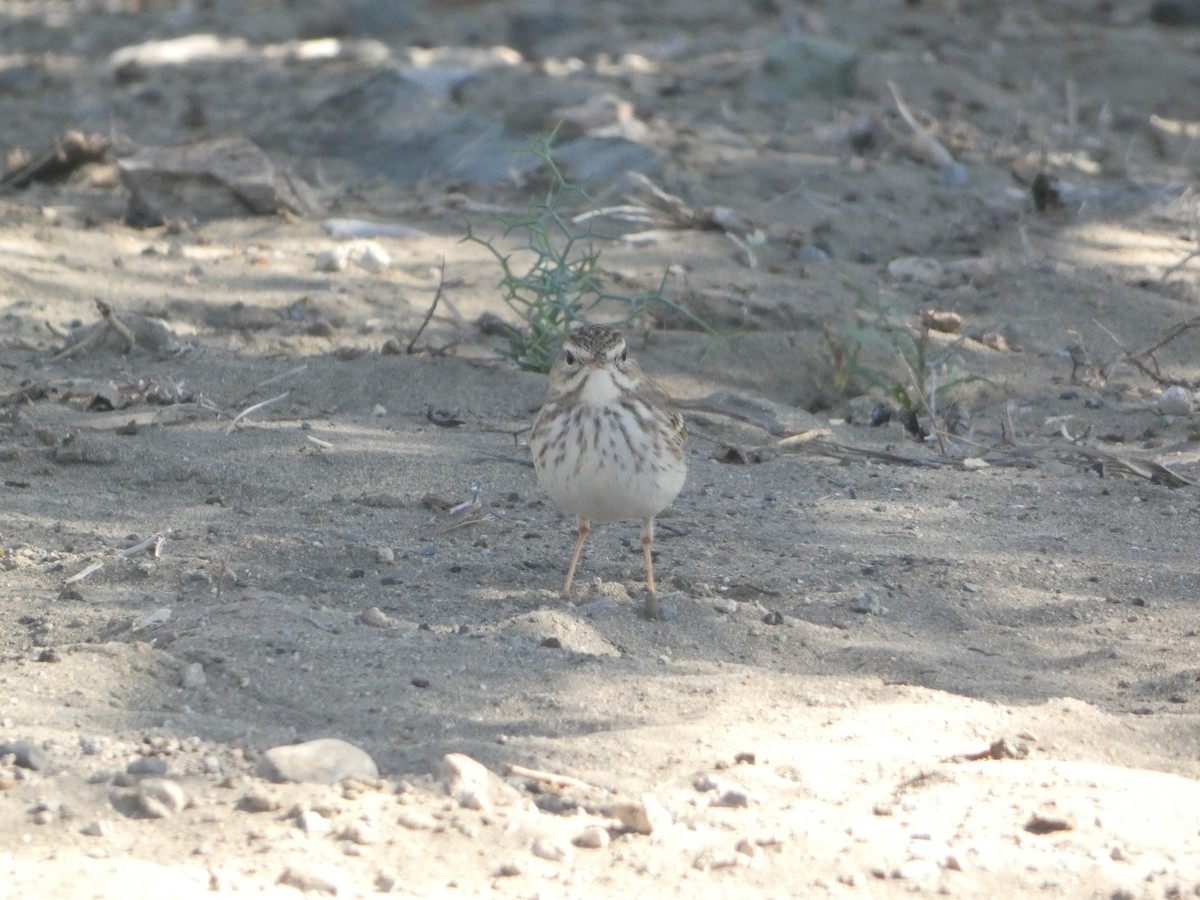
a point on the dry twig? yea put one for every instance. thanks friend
(552, 778)
(437, 296)
(233, 425)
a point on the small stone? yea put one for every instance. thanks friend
(416, 821)
(370, 256)
(193, 677)
(160, 798)
(360, 833)
(26, 755)
(323, 761)
(97, 828)
(1175, 401)
(809, 254)
(551, 849)
(212, 765)
(918, 269)
(384, 882)
(592, 838)
(148, 765)
(869, 603)
(800, 65)
(375, 617)
(90, 746)
(733, 797)
(258, 801)
(336, 259)
(749, 848)
(1048, 823)
(312, 822)
(385, 555)
(917, 870)
(644, 816)
(310, 880)
(470, 783)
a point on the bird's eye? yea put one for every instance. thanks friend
(624, 354)
(569, 358)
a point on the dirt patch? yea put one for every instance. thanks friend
(894, 664)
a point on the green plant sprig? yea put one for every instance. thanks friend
(563, 281)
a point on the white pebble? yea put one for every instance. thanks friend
(193, 677)
(375, 617)
(551, 849)
(333, 260)
(160, 798)
(1175, 401)
(312, 822)
(370, 256)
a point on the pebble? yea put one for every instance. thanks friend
(644, 816)
(212, 766)
(160, 798)
(312, 822)
(97, 828)
(552, 849)
(361, 833)
(918, 269)
(467, 781)
(148, 765)
(193, 677)
(90, 746)
(335, 259)
(385, 555)
(370, 256)
(310, 880)
(257, 801)
(733, 797)
(416, 821)
(27, 755)
(801, 65)
(375, 617)
(1175, 401)
(323, 761)
(592, 838)
(917, 870)
(43, 816)
(810, 253)
(868, 602)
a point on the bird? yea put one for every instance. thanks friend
(607, 444)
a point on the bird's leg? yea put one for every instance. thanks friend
(585, 528)
(652, 610)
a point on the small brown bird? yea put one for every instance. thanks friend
(607, 446)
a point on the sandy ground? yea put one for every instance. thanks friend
(889, 671)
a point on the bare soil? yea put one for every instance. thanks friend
(889, 670)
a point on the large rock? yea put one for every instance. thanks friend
(323, 761)
(223, 177)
